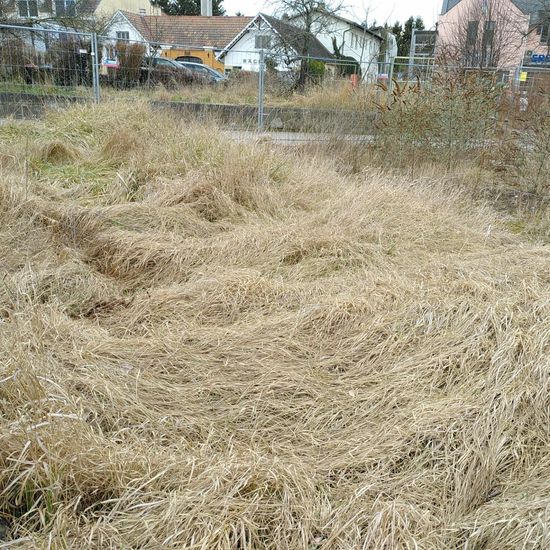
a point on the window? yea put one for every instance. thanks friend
(262, 42)
(163, 62)
(543, 26)
(189, 58)
(28, 8)
(123, 35)
(471, 33)
(65, 8)
(201, 70)
(489, 33)
(487, 42)
(472, 54)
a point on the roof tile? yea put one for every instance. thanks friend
(188, 30)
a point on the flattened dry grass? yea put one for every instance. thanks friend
(220, 345)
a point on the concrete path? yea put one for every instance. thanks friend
(294, 138)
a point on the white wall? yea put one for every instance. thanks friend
(121, 24)
(352, 41)
(108, 7)
(244, 54)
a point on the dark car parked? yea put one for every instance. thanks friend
(161, 70)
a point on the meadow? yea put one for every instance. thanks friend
(207, 344)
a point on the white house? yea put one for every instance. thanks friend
(185, 37)
(350, 38)
(282, 42)
(192, 31)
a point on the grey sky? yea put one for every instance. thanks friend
(381, 10)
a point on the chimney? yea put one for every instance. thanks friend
(206, 8)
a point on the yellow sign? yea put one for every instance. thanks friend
(523, 76)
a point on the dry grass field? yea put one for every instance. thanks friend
(211, 345)
(243, 90)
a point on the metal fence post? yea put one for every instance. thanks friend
(390, 76)
(412, 51)
(95, 68)
(261, 90)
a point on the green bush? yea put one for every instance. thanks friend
(316, 69)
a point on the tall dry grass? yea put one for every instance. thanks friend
(473, 133)
(216, 345)
(242, 89)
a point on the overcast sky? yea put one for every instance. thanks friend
(381, 10)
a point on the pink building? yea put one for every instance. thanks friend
(503, 34)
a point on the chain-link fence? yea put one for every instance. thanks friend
(260, 88)
(533, 80)
(46, 63)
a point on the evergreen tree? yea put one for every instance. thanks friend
(403, 34)
(418, 24)
(187, 7)
(397, 31)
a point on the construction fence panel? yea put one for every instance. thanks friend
(184, 77)
(263, 88)
(533, 80)
(318, 95)
(41, 64)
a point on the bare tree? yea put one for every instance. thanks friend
(313, 17)
(490, 35)
(7, 8)
(73, 15)
(367, 57)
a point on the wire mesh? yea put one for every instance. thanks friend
(282, 92)
(133, 64)
(46, 62)
(533, 80)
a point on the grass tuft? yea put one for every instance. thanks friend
(207, 344)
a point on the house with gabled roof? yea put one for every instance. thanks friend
(284, 43)
(192, 30)
(193, 38)
(500, 34)
(345, 38)
(70, 12)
